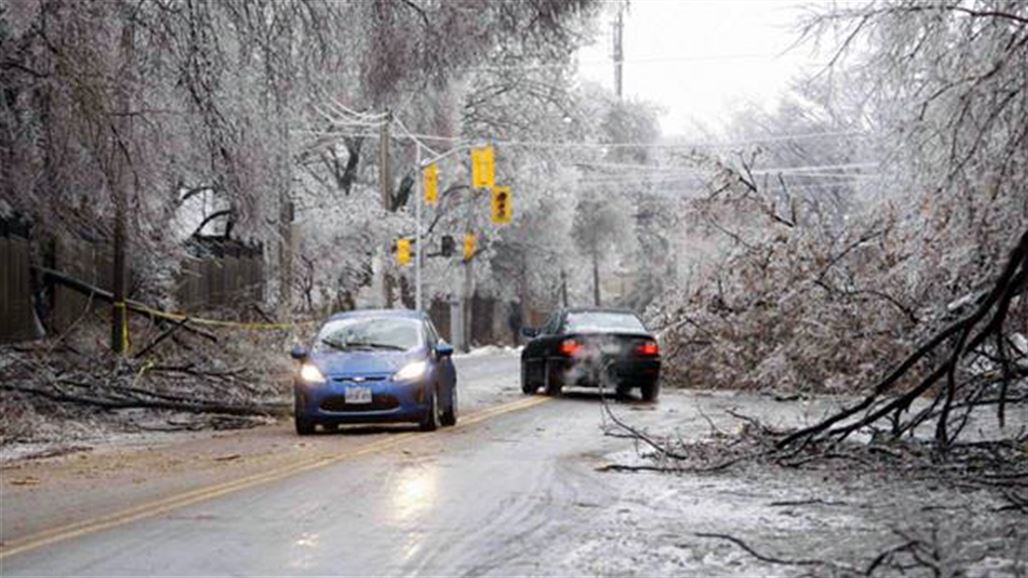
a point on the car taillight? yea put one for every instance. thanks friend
(569, 347)
(648, 348)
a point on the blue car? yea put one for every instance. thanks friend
(375, 366)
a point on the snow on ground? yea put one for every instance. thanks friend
(831, 512)
(487, 350)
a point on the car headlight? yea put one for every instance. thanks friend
(311, 374)
(412, 370)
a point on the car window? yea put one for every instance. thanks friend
(369, 333)
(585, 321)
(552, 324)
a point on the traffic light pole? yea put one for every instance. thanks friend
(418, 186)
(419, 193)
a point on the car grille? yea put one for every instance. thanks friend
(379, 402)
(358, 380)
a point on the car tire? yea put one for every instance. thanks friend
(623, 392)
(430, 421)
(304, 425)
(449, 417)
(650, 391)
(527, 387)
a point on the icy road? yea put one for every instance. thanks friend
(513, 490)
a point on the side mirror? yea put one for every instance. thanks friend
(299, 353)
(529, 331)
(443, 349)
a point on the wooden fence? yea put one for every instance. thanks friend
(232, 278)
(17, 319)
(86, 261)
(219, 282)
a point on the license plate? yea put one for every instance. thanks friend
(611, 348)
(358, 395)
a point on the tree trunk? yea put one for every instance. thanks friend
(596, 278)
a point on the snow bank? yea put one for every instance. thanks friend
(489, 350)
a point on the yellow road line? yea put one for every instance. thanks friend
(161, 506)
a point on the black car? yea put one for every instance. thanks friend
(591, 347)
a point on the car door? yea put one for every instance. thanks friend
(539, 348)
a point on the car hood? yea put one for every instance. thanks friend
(336, 363)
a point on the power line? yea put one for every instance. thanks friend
(643, 60)
(600, 145)
(802, 169)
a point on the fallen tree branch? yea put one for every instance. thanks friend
(762, 557)
(93, 291)
(204, 407)
(1009, 283)
(164, 335)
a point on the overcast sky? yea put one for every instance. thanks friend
(697, 59)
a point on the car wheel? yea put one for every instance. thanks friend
(527, 387)
(430, 421)
(650, 391)
(304, 425)
(623, 392)
(450, 415)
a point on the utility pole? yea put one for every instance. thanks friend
(467, 298)
(619, 54)
(385, 181)
(121, 166)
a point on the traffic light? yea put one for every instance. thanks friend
(430, 175)
(447, 246)
(502, 207)
(482, 167)
(469, 246)
(403, 251)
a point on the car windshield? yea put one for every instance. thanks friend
(369, 333)
(603, 321)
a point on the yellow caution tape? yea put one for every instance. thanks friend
(123, 332)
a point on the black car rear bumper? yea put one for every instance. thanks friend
(590, 372)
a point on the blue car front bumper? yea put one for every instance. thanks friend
(391, 401)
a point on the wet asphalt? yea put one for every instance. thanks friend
(498, 497)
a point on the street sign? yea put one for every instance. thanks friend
(403, 251)
(431, 182)
(482, 167)
(469, 246)
(502, 205)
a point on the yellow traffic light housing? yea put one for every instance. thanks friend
(403, 251)
(502, 205)
(482, 167)
(430, 175)
(469, 246)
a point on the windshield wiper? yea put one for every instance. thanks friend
(347, 345)
(335, 344)
(374, 345)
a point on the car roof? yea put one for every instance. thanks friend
(391, 313)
